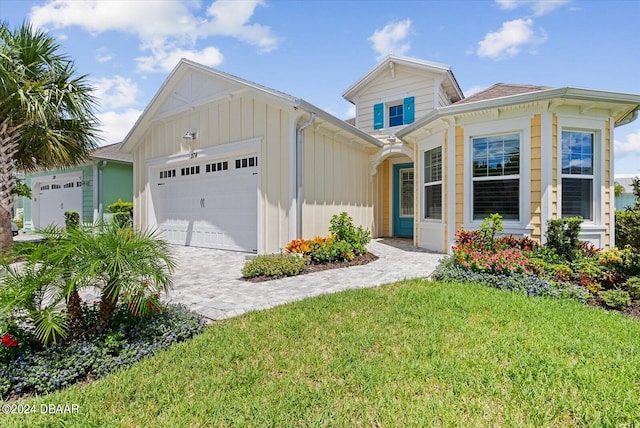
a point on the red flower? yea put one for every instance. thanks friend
(8, 341)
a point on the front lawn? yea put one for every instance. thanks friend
(413, 353)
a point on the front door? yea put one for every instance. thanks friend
(403, 200)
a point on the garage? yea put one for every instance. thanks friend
(54, 198)
(212, 203)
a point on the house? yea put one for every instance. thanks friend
(627, 199)
(226, 163)
(87, 189)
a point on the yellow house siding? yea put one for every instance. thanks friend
(459, 177)
(536, 177)
(607, 184)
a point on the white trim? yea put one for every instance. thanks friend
(451, 172)
(392, 163)
(612, 199)
(293, 186)
(597, 127)
(520, 126)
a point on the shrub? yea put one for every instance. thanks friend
(343, 229)
(273, 265)
(511, 260)
(524, 243)
(490, 226)
(447, 271)
(632, 286)
(120, 206)
(55, 367)
(122, 219)
(562, 236)
(627, 228)
(616, 299)
(331, 250)
(71, 219)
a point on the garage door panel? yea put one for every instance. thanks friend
(216, 209)
(56, 198)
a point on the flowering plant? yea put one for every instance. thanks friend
(8, 341)
(500, 261)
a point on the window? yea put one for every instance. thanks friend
(577, 174)
(406, 192)
(395, 115)
(496, 176)
(399, 112)
(433, 184)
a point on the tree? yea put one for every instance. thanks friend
(618, 189)
(47, 115)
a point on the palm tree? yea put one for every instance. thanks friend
(46, 112)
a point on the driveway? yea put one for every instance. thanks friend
(208, 281)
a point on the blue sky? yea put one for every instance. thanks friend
(317, 49)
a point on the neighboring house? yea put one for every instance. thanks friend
(628, 198)
(88, 189)
(226, 163)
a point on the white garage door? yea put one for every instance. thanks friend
(57, 197)
(210, 204)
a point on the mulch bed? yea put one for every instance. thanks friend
(360, 260)
(633, 310)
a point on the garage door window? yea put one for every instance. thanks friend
(247, 162)
(217, 166)
(193, 170)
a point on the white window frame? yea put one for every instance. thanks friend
(426, 184)
(516, 125)
(400, 182)
(590, 177)
(596, 127)
(388, 102)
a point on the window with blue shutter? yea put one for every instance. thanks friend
(378, 116)
(408, 116)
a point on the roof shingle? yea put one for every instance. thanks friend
(500, 90)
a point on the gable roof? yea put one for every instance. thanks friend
(625, 106)
(502, 90)
(112, 152)
(184, 66)
(450, 83)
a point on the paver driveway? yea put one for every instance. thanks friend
(208, 281)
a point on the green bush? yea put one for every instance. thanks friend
(632, 286)
(331, 250)
(120, 206)
(343, 229)
(616, 299)
(562, 236)
(273, 265)
(122, 219)
(628, 228)
(489, 227)
(71, 219)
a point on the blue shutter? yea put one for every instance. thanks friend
(378, 116)
(407, 111)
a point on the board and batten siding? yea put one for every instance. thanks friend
(241, 118)
(385, 87)
(536, 177)
(554, 167)
(336, 178)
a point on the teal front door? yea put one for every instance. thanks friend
(403, 200)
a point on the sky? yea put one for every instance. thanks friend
(315, 50)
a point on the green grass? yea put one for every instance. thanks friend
(413, 353)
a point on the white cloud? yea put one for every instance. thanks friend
(539, 7)
(474, 90)
(510, 39)
(391, 39)
(165, 60)
(631, 145)
(116, 126)
(103, 55)
(351, 111)
(161, 23)
(116, 92)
